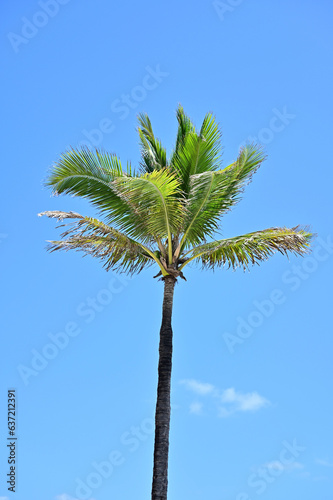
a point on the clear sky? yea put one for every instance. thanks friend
(252, 367)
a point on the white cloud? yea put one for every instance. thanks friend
(319, 461)
(232, 400)
(198, 387)
(250, 401)
(196, 408)
(229, 395)
(4, 498)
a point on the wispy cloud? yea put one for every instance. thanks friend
(4, 498)
(325, 463)
(251, 401)
(232, 400)
(198, 387)
(196, 408)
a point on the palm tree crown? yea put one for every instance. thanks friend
(165, 212)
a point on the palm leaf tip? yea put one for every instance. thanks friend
(152, 152)
(57, 214)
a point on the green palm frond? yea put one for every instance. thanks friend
(252, 248)
(152, 152)
(91, 175)
(185, 126)
(85, 173)
(204, 205)
(213, 193)
(239, 174)
(155, 198)
(91, 236)
(198, 153)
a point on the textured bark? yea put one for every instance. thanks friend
(162, 415)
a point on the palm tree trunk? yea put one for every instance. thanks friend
(162, 415)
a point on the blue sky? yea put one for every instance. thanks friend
(252, 366)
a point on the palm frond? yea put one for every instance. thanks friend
(213, 193)
(204, 204)
(198, 153)
(84, 173)
(152, 152)
(91, 175)
(237, 175)
(185, 126)
(91, 236)
(155, 198)
(252, 248)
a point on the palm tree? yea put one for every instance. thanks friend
(165, 214)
